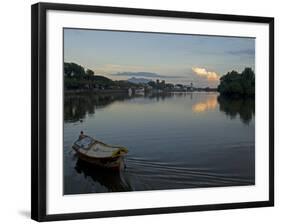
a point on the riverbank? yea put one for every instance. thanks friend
(118, 91)
(96, 91)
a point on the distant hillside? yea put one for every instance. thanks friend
(146, 75)
(139, 80)
(103, 81)
(139, 74)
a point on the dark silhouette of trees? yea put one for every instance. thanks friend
(90, 73)
(238, 84)
(76, 77)
(73, 70)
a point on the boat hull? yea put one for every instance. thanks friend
(116, 163)
(100, 154)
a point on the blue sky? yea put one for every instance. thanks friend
(176, 58)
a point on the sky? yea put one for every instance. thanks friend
(175, 58)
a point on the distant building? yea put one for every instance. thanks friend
(191, 86)
(180, 86)
(148, 87)
(139, 91)
(130, 91)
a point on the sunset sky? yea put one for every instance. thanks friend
(171, 57)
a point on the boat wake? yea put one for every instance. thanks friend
(150, 175)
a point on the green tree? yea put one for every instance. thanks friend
(73, 70)
(75, 76)
(248, 81)
(152, 84)
(238, 84)
(90, 73)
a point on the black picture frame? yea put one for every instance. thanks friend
(39, 107)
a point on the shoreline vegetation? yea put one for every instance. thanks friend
(235, 84)
(77, 79)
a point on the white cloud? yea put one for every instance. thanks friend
(210, 76)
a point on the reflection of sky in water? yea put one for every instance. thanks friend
(169, 140)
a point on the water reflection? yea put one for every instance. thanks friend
(77, 106)
(170, 145)
(210, 104)
(108, 180)
(242, 107)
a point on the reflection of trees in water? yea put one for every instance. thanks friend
(76, 106)
(244, 107)
(113, 181)
(158, 96)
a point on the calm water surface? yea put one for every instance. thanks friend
(175, 140)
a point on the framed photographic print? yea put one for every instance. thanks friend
(140, 111)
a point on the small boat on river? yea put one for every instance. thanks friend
(99, 153)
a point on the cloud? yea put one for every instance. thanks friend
(108, 69)
(138, 74)
(202, 72)
(143, 74)
(249, 52)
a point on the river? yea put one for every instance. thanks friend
(175, 141)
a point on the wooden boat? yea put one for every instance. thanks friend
(99, 153)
